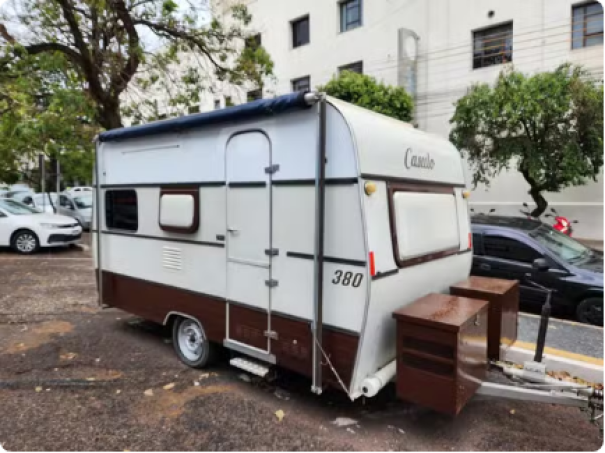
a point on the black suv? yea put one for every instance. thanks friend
(521, 249)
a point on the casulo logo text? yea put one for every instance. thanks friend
(418, 161)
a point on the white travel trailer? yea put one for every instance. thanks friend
(288, 230)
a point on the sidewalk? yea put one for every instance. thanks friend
(570, 347)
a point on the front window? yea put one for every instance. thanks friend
(561, 245)
(16, 208)
(350, 15)
(587, 26)
(83, 202)
(493, 46)
(121, 210)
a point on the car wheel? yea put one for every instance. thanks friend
(25, 242)
(191, 344)
(590, 311)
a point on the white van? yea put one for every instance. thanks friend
(287, 230)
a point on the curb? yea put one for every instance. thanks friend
(587, 368)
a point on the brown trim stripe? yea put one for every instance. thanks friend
(409, 180)
(328, 259)
(380, 275)
(159, 238)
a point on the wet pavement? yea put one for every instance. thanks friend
(73, 377)
(564, 335)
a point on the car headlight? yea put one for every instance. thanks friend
(51, 226)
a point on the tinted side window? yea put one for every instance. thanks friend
(121, 210)
(508, 249)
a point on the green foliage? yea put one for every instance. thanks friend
(549, 126)
(173, 50)
(40, 113)
(365, 91)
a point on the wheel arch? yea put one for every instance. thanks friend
(18, 229)
(171, 316)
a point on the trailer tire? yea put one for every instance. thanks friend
(191, 344)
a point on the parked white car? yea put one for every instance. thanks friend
(79, 190)
(43, 202)
(78, 206)
(25, 229)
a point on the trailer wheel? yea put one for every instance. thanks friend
(191, 344)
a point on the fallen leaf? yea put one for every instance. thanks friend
(204, 376)
(280, 415)
(350, 430)
(512, 412)
(401, 430)
(244, 377)
(90, 379)
(97, 360)
(149, 392)
(68, 355)
(38, 389)
(196, 383)
(344, 421)
(169, 386)
(48, 390)
(118, 391)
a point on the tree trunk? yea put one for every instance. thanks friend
(535, 192)
(541, 203)
(109, 115)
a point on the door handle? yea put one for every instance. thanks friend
(232, 230)
(485, 267)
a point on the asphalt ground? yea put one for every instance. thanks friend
(73, 377)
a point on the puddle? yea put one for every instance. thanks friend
(36, 336)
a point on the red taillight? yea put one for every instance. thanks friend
(470, 241)
(372, 265)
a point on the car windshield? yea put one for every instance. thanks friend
(560, 244)
(16, 208)
(83, 202)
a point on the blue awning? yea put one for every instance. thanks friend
(262, 107)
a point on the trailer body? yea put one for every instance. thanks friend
(213, 216)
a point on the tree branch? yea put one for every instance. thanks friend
(178, 34)
(120, 80)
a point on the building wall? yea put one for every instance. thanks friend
(541, 41)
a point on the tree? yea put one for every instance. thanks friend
(365, 91)
(549, 126)
(41, 112)
(107, 43)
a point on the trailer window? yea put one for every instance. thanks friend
(424, 225)
(121, 210)
(179, 210)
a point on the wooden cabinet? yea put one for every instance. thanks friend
(441, 351)
(503, 298)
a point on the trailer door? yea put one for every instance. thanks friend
(248, 161)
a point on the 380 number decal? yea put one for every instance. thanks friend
(347, 278)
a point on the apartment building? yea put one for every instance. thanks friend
(437, 49)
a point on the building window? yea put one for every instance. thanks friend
(300, 32)
(163, 116)
(301, 84)
(228, 101)
(353, 67)
(217, 104)
(121, 210)
(350, 15)
(587, 26)
(253, 42)
(193, 109)
(254, 95)
(493, 46)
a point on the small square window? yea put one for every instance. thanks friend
(121, 210)
(493, 46)
(229, 101)
(254, 95)
(193, 109)
(350, 15)
(587, 25)
(301, 84)
(353, 67)
(179, 210)
(300, 32)
(217, 104)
